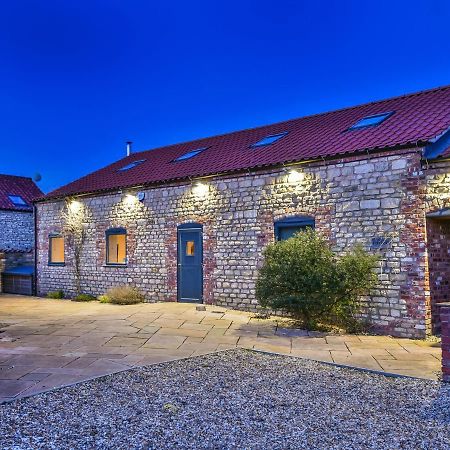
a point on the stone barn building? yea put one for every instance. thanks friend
(17, 233)
(188, 222)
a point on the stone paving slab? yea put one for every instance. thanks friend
(51, 343)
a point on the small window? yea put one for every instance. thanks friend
(17, 200)
(286, 228)
(190, 248)
(371, 121)
(269, 139)
(116, 246)
(190, 154)
(131, 165)
(56, 250)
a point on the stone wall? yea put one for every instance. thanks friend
(377, 201)
(16, 230)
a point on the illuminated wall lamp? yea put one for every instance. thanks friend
(200, 189)
(295, 176)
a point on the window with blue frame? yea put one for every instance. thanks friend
(17, 200)
(286, 228)
(269, 139)
(116, 246)
(131, 165)
(371, 121)
(190, 154)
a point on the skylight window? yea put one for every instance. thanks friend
(17, 200)
(131, 165)
(269, 139)
(190, 154)
(371, 121)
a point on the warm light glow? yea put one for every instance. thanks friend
(56, 249)
(200, 189)
(75, 206)
(294, 176)
(130, 199)
(117, 252)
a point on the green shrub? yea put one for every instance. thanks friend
(305, 278)
(84, 298)
(124, 295)
(55, 294)
(103, 299)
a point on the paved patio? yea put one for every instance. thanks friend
(51, 343)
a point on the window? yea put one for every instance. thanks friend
(190, 154)
(269, 139)
(17, 200)
(116, 246)
(371, 121)
(131, 165)
(286, 228)
(190, 248)
(56, 250)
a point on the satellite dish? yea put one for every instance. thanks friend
(140, 196)
(37, 177)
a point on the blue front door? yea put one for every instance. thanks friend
(190, 263)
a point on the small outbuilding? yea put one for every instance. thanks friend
(17, 234)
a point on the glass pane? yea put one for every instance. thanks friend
(117, 249)
(57, 250)
(190, 248)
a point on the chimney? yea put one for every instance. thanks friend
(129, 148)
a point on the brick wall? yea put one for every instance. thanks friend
(445, 321)
(353, 200)
(2, 268)
(16, 230)
(438, 235)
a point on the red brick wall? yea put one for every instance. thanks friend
(438, 236)
(445, 324)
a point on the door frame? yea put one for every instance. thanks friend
(190, 226)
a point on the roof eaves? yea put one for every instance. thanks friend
(399, 146)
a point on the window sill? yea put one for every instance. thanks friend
(115, 265)
(56, 264)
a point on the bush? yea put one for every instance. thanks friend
(124, 295)
(103, 299)
(55, 294)
(83, 298)
(305, 278)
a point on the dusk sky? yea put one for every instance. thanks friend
(79, 78)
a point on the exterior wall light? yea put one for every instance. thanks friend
(200, 189)
(130, 199)
(75, 206)
(294, 176)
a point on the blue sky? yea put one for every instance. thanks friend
(78, 79)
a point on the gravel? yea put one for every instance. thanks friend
(234, 399)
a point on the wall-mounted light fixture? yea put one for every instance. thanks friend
(75, 206)
(295, 176)
(200, 189)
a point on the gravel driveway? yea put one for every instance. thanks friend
(234, 399)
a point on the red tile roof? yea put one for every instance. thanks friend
(417, 118)
(21, 186)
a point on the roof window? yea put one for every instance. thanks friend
(131, 165)
(190, 154)
(371, 121)
(17, 200)
(269, 139)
